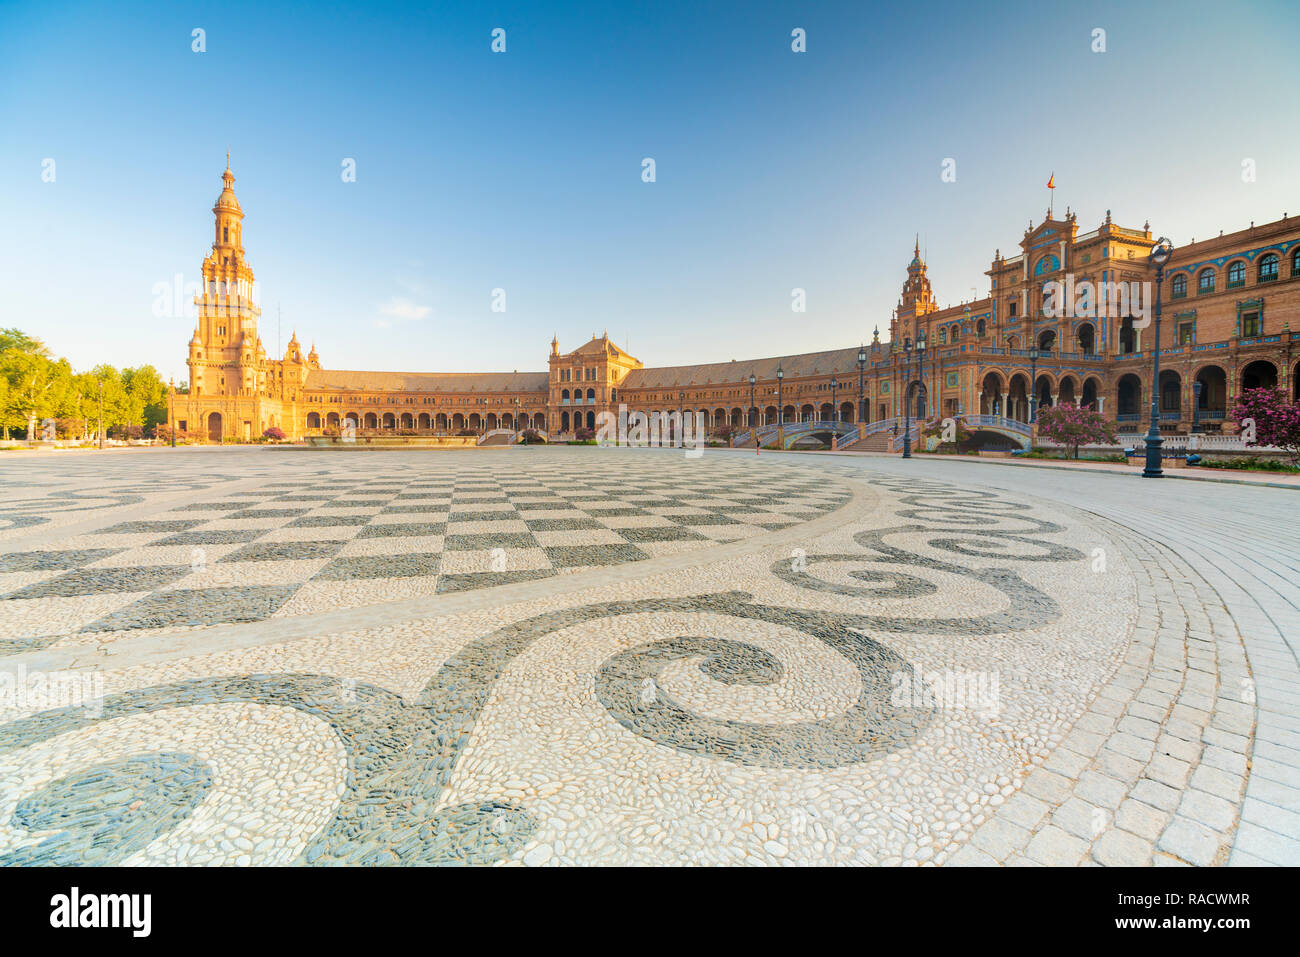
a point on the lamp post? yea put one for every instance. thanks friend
(907, 399)
(862, 402)
(171, 409)
(1196, 405)
(1158, 257)
(1033, 384)
(835, 409)
(681, 411)
(780, 406)
(101, 413)
(753, 411)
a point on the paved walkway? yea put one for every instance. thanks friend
(1242, 541)
(559, 656)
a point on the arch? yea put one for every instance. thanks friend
(564, 421)
(389, 420)
(591, 396)
(1236, 273)
(788, 414)
(332, 420)
(313, 420)
(1091, 391)
(1046, 264)
(1171, 391)
(1067, 391)
(1043, 391)
(440, 422)
(916, 398)
(1127, 336)
(1260, 374)
(1205, 280)
(1013, 342)
(848, 412)
(458, 421)
(1213, 381)
(564, 395)
(216, 430)
(407, 421)
(806, 412)
(1085, 338)
(371, 421)
(591, 420)
(1128, 395)
(1018, 397)
(826, 412)
(769, 415)
(991, 388)
(1267, 268)
(475, 422)
(980, 328)
(422, 422)
(1047, 340)
(954, 333)
(539, 420)
(491, 421)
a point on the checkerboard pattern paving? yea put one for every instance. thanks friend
(347, 538)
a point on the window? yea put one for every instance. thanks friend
(1185, 333)
(1205, 281)
(1295, 263)
(956, 333)
(1178, 287)
(1237, 274)
(979, 328)
(225, 234)
(1250, 324)
(1268, 268)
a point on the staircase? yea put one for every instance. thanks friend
(876, 442)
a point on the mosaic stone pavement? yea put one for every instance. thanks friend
(733, 659)
(371, 533)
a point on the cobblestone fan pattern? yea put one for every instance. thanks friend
(880, 670)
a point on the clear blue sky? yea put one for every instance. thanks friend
(522, 170)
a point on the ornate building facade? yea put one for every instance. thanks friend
(1228, 305)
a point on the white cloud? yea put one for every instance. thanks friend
(399, 307)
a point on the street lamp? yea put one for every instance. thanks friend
(1196, 405)
(1033, 383)
(835, 409)
(753, 410)
(780, 406)
(1158, 257)
(907, 399)
(681, 410)
(171, 408)
(862, 402)
(101, 413)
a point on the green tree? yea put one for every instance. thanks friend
(36, 388)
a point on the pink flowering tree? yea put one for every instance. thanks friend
(1072, 427)
(1265, 417)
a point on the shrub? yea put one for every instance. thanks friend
(1265, 417)
(273, 434)
(467, 432)
(584, 435)
(532, 437)
(1073, 426)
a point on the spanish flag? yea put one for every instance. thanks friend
(1051, 181)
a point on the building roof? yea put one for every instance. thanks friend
(331, 379)
(837, 361)
(599, 346)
